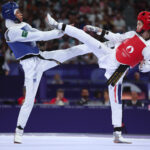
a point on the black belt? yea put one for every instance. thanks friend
(117, 75)
(39, 56)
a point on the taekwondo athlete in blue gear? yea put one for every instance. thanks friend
(21, 38)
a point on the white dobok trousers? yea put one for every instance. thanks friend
(33, 70)
(107, 60)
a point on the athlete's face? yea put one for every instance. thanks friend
(139, 25)
(19, 15)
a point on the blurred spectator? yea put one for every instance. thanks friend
(131, 87)
(65, 43)
(60, 99)
(98, 95)
(89, 59)
(137, 77)
(57, 79)
(9, 56)
(85, 8)
(106, 98)
(84, 97)
(22, 98)
(72, 2)
(117, 5)
(63, 18)
(141, 5)
(134, 101)
(119, 23)
(129, 15)
(4, 69)
(107, 23)
(134, 87)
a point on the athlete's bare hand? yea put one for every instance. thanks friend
(141, 63)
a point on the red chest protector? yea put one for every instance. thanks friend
(129, 52)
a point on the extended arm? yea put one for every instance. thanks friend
(114, 37)
(27, 36)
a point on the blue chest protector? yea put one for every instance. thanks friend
(21, 49)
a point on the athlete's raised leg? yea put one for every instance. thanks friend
(79, 34)
(65, 54)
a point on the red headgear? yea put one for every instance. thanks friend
(144, 16)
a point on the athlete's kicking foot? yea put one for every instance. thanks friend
(52, 22)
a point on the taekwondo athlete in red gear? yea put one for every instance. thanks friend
(130, 49)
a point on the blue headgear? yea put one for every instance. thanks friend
(8, 10)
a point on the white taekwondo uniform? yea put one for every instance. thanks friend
(22, 38)
(107, 59)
